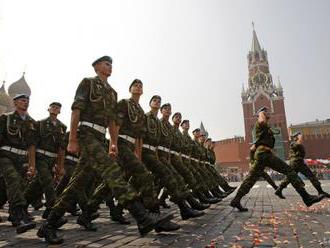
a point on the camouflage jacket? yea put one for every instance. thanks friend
(17, 132)
(263, 135)
(153, 133)
(96, 100)
(297, 151)
(166, 137)
(131, 118)
(187, 145)
(177, 139)
(51, 135)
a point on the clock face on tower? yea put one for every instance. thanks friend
(260, 79)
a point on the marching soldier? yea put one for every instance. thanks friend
(211, 158)
(297, 155)
(94, 108)
(17, 139)
(264, 157)
(197, 155)
(159, 164)
(50, 150)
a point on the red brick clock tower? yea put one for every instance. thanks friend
(260, 92)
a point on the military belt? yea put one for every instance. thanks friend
(47, 153)
(264, 147)
(13, 150)
(97, 127)
(71, 158)
(185, 156)
(128, 138)
(174, 152)
(163, 149)
(152, 148)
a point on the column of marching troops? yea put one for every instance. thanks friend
(146, 161)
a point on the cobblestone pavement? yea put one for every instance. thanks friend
(270, 222)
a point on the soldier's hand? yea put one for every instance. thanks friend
(73, 146)
(253, 148)
(31, 172)
(113, 151)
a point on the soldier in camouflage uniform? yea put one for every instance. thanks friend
(17, 139)
(189, 154)
(158, 163)
(94, 108)
(263, 174)
(70, 163)
(265, 158)
(215, 190)
(211, 159)
(50, 150)
(297, 155)
(198, 154)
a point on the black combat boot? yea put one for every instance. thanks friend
(308, 199)
(230, 189)
(236, 203)
(46, 213)
(187, 212)
(217, 193)
(21, 221)
(278, 192)
(212, 199)
(202, 198)
(167, 226)
(321, 191)
(162, 200)
(74, 210)
(48, 232)
(196, 204)
(146, 220)
(116, 214)
(37, 204)
(85, 220)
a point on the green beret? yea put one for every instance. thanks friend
(55, 103)
(295, 134)
(184, 121)
(104, 58)
(20, 96)
(197, 130)
(155, 97)
(175, 114)
(134, 82)
(165, 105)
(262, 109)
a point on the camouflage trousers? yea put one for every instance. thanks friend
(166, 175)
(139, 177)
(94, 160)
(263, 174)
(300, 166)
(3, 192)
(11, 170)
(218, 178)
(69, 167)
(184, 171)
(200, 185)
(43, 182)
(201, 176)
(263, 159)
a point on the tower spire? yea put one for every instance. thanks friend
(255, 46)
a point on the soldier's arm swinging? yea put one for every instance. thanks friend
(73, 146)
(60, 163)
(32, 160)
(113, 130)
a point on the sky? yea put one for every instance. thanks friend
(191, 52)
